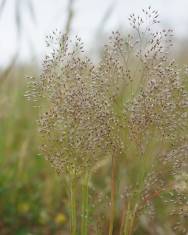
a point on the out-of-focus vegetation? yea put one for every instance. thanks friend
(33, 198)
(28, 196)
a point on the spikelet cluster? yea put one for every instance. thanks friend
(76, 121)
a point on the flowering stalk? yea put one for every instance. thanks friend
(129, 220)
(123, 219)
(73, 207)
(113, 193)
(126, 227)
(84, 222)
(131, 226)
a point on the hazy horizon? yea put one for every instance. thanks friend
(88, 15)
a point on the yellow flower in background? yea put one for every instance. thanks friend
(43, 217)
(60, 218)
(23, 207)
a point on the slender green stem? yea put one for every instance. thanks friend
(131, 226)
(73, 207)
(127, 219)
(123, 219)
(113, 192)
(132, 206)
(84, 223)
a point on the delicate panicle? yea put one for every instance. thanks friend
(76, 120)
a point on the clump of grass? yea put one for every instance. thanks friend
(75, 120)
(131, 108)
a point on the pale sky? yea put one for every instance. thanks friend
(51, 14)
